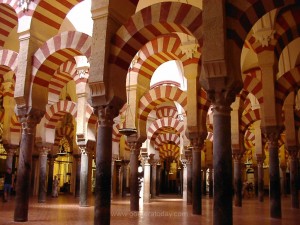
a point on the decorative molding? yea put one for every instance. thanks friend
(24, 4)
(189, 49)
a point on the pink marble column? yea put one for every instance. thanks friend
(28, 122)
(51, 159)
(84, 164)
(43, 152)
(260, 176)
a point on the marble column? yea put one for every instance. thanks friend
(77, 158)
(204, 192)
(84, 165)
(134, 182)
(293, 152)
(158, 178)
(33, 184)
(118, 163)
(283, 180)
(28, 122)
(10, 156)
(197, 143)
(272, 134)
(43, 152)
(260, 176)
(103, 166)
(210, 182)
(189, 178)
(147, 171)
(222, 158)
(237, 178)
(153, 179)
(51, 159)
(124, 177)
(184, 180)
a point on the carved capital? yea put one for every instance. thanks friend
(222, 100)
(237, 156)
(184, 162)
(293, 152)
(44, 150)
(264, 36)
(272, 134)
(105, 116)
(83, 150)
(260, 158)
(189, 49)
(29, 118)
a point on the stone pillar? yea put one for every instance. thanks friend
(134, 182)
(283, 180)
(51, 159)
(103, 166)
(237, 180)
(260, 176)
(158, 178)
(10, 150)
(77, 158)
(272, 134)
(118, 163)
(33, 184)
(147, 171)
(84, 165)
(293, 151)
(211, 182)
(28, 122)
(124, 177)
(43, 152)
(189, 179)
(184, 179)
(153, 178)
(197, 143)
(204, 181)
(222, 158)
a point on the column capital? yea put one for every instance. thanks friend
(272, 134)
(184, 162)
(237, 155)
(105, 116)
(293, 151)
(44, 150)
(29, 118)
(222, 100)
(83, 150)
(260, 158)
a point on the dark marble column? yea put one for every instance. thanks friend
(84, 165)
(189, 177)
(134, 182)
(197, 144)
(283, 184)
(28, 122)
(43, 152)
(124, 177)
(204, 192)
(153, 178)
(158, 178)
(237, 178)
(51, 159)
(293, 151)
(272, 134)
(33, 184)
(260, 176)
(77, 158)
(118, 163)
(222, 158)
(103, 166)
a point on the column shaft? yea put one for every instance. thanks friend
(260, 180)
(184, 185)
(211, 183)
(146, 182)
(293, 181)
(275, 195)
(42, 178)
(84, 165)
(196, 182)
(153, 186)
(50, 174)
(77, 178)
(189, 183)
(222, 163)
(134, 183)
(238, 184)
(24, 172)
(103, 168)
(158, 179)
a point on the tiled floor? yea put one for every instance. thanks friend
(168, 211)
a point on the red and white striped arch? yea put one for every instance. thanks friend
(166, 111)
(163, 123)
(252, 83)
(158, 95)
(56, 111)
(155, 53)
(8, 58)
(8, 20)
(249, 139)
(166, 138)
(288, 82)
(151, 22)
(116, 136)
(66, 131)
(169, 150)
(242, 15)
(59, 49)
(249, 118)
